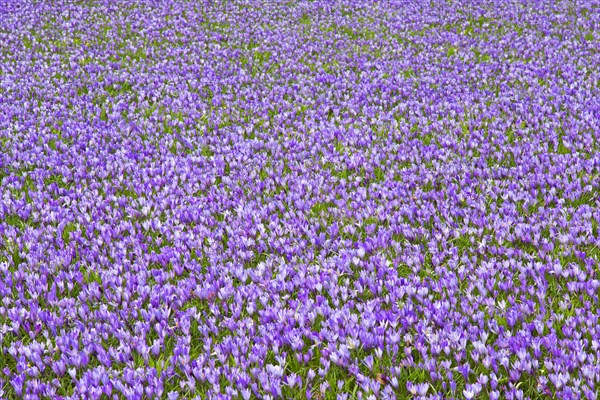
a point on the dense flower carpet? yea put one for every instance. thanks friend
(299, 199)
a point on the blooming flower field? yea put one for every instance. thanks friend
(299, 199)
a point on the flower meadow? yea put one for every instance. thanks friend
(299, 199)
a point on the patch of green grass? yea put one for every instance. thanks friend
(427, 187)
(585, 199)
(227, 169)
(321, 208)
(481, 57)
(56, 179)
(90, 276)
(379, 174)
(68, 229)
(259, 59)
(427, 139)
(561, 148)
(14, 220)
(510, 135)
(118, 88)
(207, 152)
(66, 387)
(305, 19)
(404, 271)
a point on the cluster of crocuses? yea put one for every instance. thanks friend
(299, 199)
